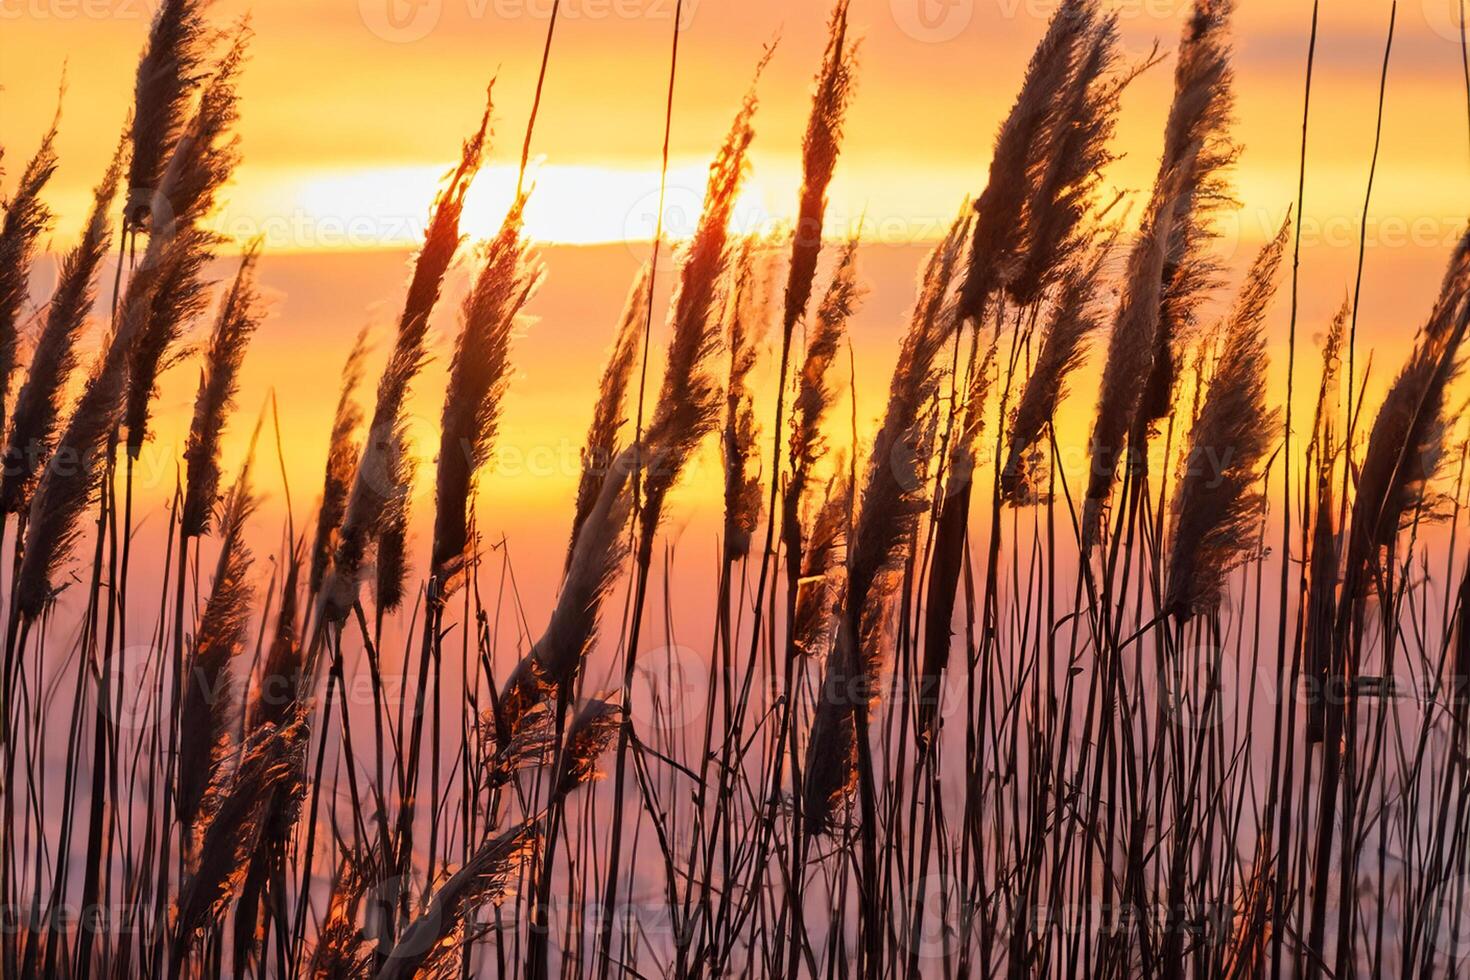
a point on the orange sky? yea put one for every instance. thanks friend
(352, 107)
(346, 131)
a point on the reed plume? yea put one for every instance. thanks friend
(950, 533)
(601, 447)
(1453, 291)
(236, 810)
(1407, 439)
(688, 406)
(72, 474)
(895, 494)
(168, 73)
(1130, 355)
(341, 951)
(393, 523)
(1322, 568)
(819, 152)
(39, 402)
(239, 317)
(1076, 315)
(342, 455)
(180, 297)
(1071, 163)
(27, 218)
(478, 378)
(207, 713)
(1323, 417)
(203, 160)
(1198, 151)
(965, 439)
(746, 314)
(815, 393)
(588, 737)
(823, 560)
(372, 485)
(427, 944)
(1000, 212)
(1217, 504)
(597, 560)
(809, 591)
(279, 683)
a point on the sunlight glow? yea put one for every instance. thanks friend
(387, 207)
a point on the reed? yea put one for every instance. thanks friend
(745, 325)
(1325, 550)
(820, 149)
(373, 484)
(73, 473)
(433, 941)
(236, 810)
(813, 555)
(687, 411)
(688, 405)
(1199, 150)
(201, 163)
(1402, 454)
(916, 732)
(1217, 504)
(999, 232)
(343, 451)
(391, 548)
(207, 713)
(27, 218)
(1076, 315)
(168, 74)
(895, 493)
(478, 378)
(38, 405)
(219, 381)
(601, 446)
(1130, 354)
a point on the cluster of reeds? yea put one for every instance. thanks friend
(1058, 742)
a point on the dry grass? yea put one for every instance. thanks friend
(274, 772)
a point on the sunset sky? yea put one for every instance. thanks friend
(353, 106)
(353, 109)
